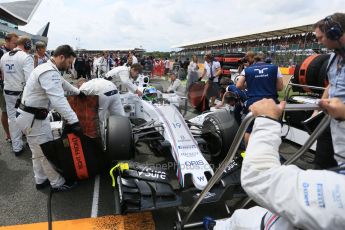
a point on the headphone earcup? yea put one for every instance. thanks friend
(28, 45)
(333, 29)
(334, 33)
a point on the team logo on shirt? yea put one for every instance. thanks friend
(261, 71)
(10, 68)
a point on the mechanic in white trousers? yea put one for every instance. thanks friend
(126, 75)
(44, 90)
(108, 98)
(295, 198)
(16, 67)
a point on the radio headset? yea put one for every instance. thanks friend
(333, 29)
(28, 45)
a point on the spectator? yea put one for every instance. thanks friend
(40, 56)
(213, 71)
(104, 64)
(88, 65)
(134, 58)
(186, 64)
(193, 72)
(79, 66)
(166, 66)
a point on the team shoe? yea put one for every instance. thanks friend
(18, 153)
(65, 187)
(45, 184)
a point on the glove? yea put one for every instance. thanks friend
(76, 129)
(81, 94)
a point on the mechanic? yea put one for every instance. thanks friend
(330, 33)
(295, 198)
(40, 55)
(213, 71)
(175, 85)
(233, 97)
(10, 44)
(246, 61)
(44, 90)
(126, 75)
(16, 67)
(261, 80)
(109, 100)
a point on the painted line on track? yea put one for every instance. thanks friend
(95, 198)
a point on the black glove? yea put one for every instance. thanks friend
(76, 129)
(82, 95)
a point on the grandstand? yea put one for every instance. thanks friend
(19, 13)
(285, 47)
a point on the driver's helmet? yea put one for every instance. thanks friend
(150, 93)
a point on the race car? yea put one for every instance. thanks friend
(159, 123)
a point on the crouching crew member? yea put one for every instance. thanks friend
(16, 67)
(126, 75)
(44, 90)
(108, 98)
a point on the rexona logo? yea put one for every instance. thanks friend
(194, 163)
(186, 146)
(153, 174)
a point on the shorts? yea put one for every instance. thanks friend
(2, 101)
(213, 90)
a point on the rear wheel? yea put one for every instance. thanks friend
(119, 139)
(219, 130)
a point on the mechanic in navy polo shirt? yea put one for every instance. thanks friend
(262, 80)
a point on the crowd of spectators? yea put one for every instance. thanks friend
(284, 42)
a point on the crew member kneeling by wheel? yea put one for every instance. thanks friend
(108, 98)
(262, 80)
(44, 90)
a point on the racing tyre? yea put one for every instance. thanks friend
(219, 130)
(119, 139)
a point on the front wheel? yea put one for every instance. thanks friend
(219, 130)
(119, 139)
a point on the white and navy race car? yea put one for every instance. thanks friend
(160, 123)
